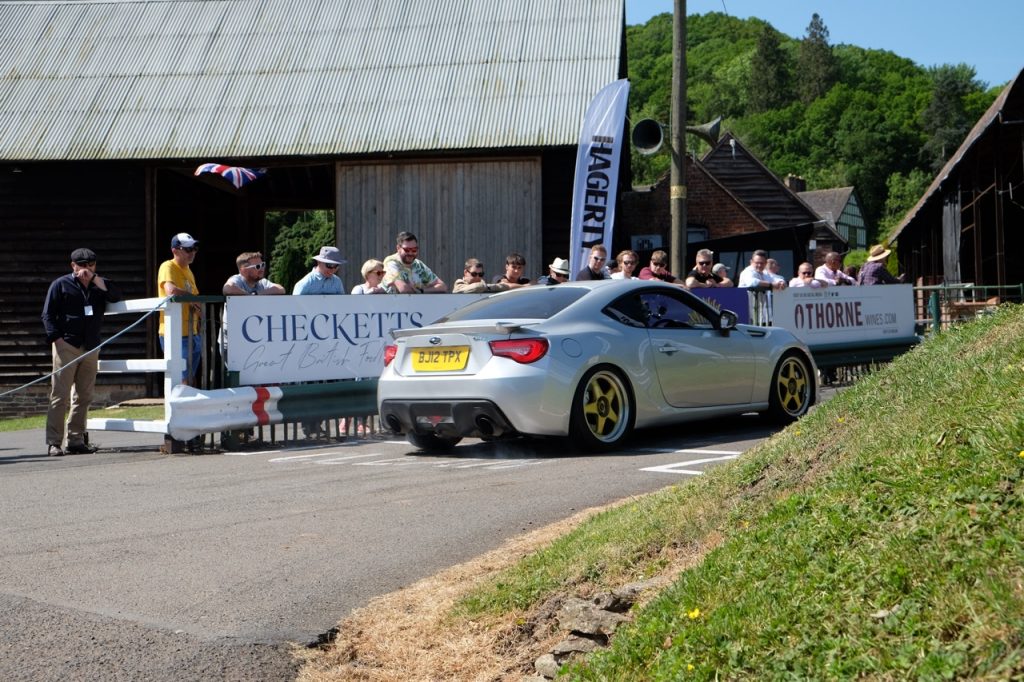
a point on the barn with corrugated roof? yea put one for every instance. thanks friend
(455, 120)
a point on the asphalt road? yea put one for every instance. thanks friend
(132, 565)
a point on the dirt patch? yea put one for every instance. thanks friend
(410, 634)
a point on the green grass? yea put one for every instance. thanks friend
(882, 536)
(39, 421)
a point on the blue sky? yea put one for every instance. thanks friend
(986, 35)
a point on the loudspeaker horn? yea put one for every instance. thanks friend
(707, 132)
(647, 136)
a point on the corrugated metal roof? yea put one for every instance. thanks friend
(250, 78)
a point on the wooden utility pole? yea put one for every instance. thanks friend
(677, 126)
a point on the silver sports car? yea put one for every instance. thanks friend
(587, 360)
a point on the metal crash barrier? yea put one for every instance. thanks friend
(218, 407)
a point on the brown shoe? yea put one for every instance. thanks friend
(54, 451)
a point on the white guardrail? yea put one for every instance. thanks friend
(172, 365)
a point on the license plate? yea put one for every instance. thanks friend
(446, 359)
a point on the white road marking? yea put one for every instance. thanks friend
(399, 461)
(523, 463)
(300, 448)
(463, 460)
(674, 468)
(319, 454)
(336, 460)
(690, 452)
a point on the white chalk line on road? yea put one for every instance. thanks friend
(322, 454)
(675, 468)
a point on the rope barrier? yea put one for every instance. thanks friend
(87, 353)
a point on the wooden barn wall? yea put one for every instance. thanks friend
(46, 211)
(482, 208)
(990, 180)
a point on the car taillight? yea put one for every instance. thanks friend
(523, 351)
(389, 354)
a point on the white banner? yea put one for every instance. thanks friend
(597, 174)
(836, 315)
(283, 339)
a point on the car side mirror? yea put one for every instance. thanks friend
(726, 321)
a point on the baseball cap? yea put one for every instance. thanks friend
(183, 239)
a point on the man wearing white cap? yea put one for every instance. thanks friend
(175, 278)
(323, 278)
(722, 270)
(558, 272)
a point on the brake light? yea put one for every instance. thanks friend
(389, 354)
(523, 351)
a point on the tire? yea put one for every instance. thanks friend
(603, 413)
(792, 389)
(432, 443)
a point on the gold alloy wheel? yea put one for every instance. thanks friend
(792, 386)
(606, 406)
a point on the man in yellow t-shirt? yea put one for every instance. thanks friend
(175, 278)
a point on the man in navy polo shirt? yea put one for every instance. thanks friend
(72, 316)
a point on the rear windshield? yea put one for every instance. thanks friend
(534, 303)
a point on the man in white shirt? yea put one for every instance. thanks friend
(832, 271)
(755, 277)
(772, 268)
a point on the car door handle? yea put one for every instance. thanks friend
(669, 348)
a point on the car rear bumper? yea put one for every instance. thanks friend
(446, 418)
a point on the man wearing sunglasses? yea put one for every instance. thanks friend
(175, 278)
(473, 282)
(323, 278)
(805, 278)
(595, 267)
(72, 316)
(251, 278)
(405, 273)
(702, 275)
(250, 281)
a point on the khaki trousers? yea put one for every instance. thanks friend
(77, 383)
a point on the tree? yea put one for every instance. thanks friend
(815, 65)
(769, 73)
(904, 191)
(945, 119)
(298, 236)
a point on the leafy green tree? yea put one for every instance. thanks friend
(815, 64)
(297, 236)
(904, 190)
(769, 73)
(945, 119)
(862, 127)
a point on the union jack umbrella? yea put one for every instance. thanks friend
(236, 175)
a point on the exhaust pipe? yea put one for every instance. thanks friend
(393, 423)
(484, 425)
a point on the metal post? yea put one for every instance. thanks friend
(677, 185)
(935, 311)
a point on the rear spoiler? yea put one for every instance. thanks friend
(478, 328)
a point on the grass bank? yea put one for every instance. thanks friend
(39, 421)
(882, 536)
